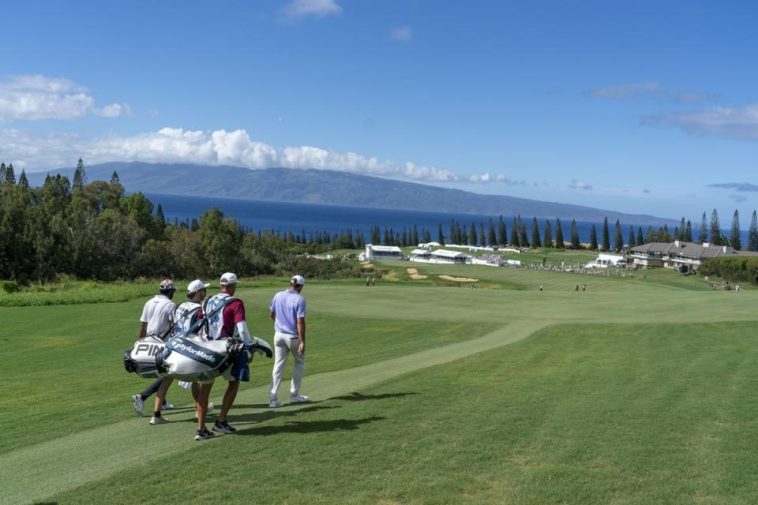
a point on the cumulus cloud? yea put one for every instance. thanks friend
(36, 97)
(401, 34)
(732, 122)
(575, 184)
(219, 147)
(319, 8)
(487, 177)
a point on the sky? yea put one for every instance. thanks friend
(645, 107)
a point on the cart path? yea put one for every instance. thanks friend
(43, 470)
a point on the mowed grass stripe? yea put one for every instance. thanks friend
(62, 464)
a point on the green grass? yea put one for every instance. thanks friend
(637, 391)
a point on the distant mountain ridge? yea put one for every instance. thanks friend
(329, 187)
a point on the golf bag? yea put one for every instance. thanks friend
(191, 357)
(140, 359)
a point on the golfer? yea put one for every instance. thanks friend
(287, 310)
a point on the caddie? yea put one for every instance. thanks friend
(228, 322)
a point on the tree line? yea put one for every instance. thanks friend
(95, 231)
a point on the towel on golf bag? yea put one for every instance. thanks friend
(193, 358)
(140, 359)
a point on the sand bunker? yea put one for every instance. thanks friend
(415, 275)
(457, 279)
(367, 265)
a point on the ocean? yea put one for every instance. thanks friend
(300, 217)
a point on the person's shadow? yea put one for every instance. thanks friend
(359, 397)
(310, 426)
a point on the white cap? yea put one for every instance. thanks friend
(297, 280)
(228, 278)
(196, 286)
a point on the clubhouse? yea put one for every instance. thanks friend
(683, 256)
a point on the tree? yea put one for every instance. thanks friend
(559, 242)
(680, 234)
(752, 233)
(548, 242)
(688, 231)
(80, 175)
(702, 236)
(593, 238)
(472, 238)
(606, 245)
(618, 239)
(10, 175)
(734, 236)
(631, 237)
(522, 236)
(3, 170)
(536, 242)
(502, 232)
(22, 180)
(716, 236)
(440, 236)
(492, 235)
(514, 233)
(114, 178)
(575, 243)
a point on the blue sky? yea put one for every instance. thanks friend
(636, 106)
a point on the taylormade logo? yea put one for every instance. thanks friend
(181, 346)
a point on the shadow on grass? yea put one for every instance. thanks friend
(310, 426)
(358, 397)
(269, 414)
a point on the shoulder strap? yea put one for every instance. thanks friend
(204, 321)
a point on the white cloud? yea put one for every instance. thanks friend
(36, 97)
(219, 147)
(580, 185)
(731, 122)
(320, 8)
(401, 34)
(487, 177)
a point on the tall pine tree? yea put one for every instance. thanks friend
(702, 235)
(593, 237)
(734, 236)
(752, 234)
(606, 245)
(716, 236)
(559, 242)
(618, 239)
(575, 243)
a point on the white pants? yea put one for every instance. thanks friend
(284, 345)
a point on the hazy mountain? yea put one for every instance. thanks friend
(334, 188)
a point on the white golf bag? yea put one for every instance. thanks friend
(191, 358)
(140, 359)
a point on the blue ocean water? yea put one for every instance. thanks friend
(299, 217)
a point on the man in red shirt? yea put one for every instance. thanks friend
(226, 319)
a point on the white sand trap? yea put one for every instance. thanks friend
(415, 275)
(457, 279)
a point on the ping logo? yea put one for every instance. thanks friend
(149, 349)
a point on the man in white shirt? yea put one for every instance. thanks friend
(287, 310)
(157, 321)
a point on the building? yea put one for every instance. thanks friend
(381, 252)
(605, 260)
(683, 256)
(439, 256)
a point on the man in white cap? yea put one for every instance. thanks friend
(287, 310)
(187, 316)
(157, 321)
(226, 319)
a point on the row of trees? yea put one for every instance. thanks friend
(95, 231)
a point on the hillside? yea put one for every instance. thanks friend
(333, 188)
